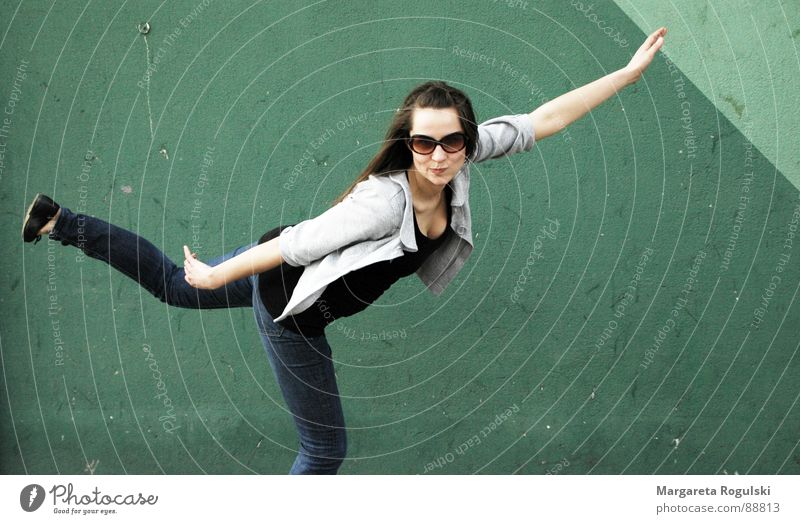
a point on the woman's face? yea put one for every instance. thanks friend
(439, 167)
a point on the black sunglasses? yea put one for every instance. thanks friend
(425, 145)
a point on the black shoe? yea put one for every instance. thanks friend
(41, 210)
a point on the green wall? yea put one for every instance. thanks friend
(627, 338)
(743, 56)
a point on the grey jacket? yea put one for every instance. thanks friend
(375, 222)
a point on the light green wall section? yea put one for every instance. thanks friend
(743, 55)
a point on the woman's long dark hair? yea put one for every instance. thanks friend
(394, 154)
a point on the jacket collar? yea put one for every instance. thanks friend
(460, 189)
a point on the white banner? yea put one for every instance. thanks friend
(382, 499)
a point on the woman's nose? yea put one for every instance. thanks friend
(438, 153)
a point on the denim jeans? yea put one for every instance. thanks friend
(303, 366)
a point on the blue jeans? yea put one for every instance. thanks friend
(303, 366)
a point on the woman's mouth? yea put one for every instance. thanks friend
(438, 171)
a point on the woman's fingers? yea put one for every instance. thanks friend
(653, 38)
(658, 32)
(195, 271)
(648, 42)
(657, 45)
(658, 42)
(187, 265)
(659, 35)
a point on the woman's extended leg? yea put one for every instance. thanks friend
(140, 260)
(303, 368)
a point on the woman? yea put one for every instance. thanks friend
(408, 212)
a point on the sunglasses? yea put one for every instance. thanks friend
(425, 145)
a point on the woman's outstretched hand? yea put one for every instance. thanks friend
(645, 54)
(554, 115)
(198, 274)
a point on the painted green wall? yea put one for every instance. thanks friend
(535, 360)
(744, 57)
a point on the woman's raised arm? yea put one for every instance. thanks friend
(257, 259)
(553, 116)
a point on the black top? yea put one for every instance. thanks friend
(349, 293)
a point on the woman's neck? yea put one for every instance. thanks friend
(422, 191)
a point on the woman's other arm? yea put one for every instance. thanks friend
(257, 259)
(553, 116)
(366, 213)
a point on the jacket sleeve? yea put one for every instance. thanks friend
(364, 214)
(504, 135)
